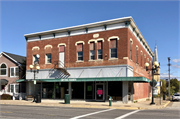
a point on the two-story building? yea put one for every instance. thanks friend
(12, 68)
(90, 61)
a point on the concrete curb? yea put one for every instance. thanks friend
(89, 106)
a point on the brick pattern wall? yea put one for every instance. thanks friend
(9, 63)
(141, 90)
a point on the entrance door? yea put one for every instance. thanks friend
(100, 92)
(61, 59)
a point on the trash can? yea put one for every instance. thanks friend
(38, 98)
(164, 97)
(67, 99)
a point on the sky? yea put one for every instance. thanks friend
(158, 22)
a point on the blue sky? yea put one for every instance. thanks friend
(158, 22)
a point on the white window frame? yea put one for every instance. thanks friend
(78, 56)
(14, 88)
(116, 52)
(98, 54)
(34, 59)
(14, 72)
(92, 55)
(46, 61)
(3, 68)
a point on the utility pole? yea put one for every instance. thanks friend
(169, 74)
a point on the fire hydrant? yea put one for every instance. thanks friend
(110, 101)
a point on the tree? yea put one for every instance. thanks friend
(174, 82)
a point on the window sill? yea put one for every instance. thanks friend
(13, 76)
(79, 61)
(92, 60)
(3, 75)
(113, 59)
(48, 63)
(99, 60)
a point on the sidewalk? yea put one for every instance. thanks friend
(82, 104)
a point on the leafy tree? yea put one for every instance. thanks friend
(175, 83)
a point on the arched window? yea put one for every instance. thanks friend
(141, 58)
(3, 69)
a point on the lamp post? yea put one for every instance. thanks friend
(35, 69)
(155, 65)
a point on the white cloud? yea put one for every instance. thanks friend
(176, 66)
(176, 60)
(166, 76)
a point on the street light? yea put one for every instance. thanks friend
(35, 69)
(155, 65)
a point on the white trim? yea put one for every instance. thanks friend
(131, 40)
(113, 37)
(14, 71)
(4, 68)
(79, 42)
(48, 46)
(100, 39)
(61, 44)
(11, 58)
(92, 40)
(36, 47)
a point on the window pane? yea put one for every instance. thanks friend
(17, 88)
(3, 66)
(36, 60)
(114, 53)
(48, 56)
(92, 54)
(99, 54)
(12, 71)
(17, 72)
(80, 55)
(3, 72)
(12, 88)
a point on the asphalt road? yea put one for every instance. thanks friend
(172, 111)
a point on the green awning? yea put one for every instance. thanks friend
(20, 80)
(134, 79)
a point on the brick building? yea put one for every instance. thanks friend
(90, 61)
(12, 68)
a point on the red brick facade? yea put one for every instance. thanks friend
(123, 51)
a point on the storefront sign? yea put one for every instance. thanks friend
(99, 92)
(89, 88)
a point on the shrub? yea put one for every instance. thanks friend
(6, 97)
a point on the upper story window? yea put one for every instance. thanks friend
(99, 47)
(48, 58)
(35, 59)
(113, 48)
(92, 49)
(130, 49)
(136, 54)
(80, 52)
(141, 58)
(3, 69)
(14, 71)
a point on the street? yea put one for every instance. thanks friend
(172, 111)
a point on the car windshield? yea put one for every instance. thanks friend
(177, 95)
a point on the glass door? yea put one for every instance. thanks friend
(99, 92)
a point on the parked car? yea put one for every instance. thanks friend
(176, 97)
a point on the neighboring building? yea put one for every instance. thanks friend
(157, 74)
(91, 61)
(12, 68)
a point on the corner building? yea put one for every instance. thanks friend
(90, 62)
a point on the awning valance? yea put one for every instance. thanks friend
(134, 79)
